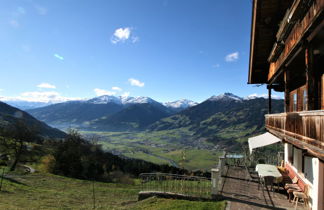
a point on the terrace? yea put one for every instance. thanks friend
(235, 185)
(243, 193)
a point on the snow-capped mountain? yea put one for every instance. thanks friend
(225, 97)
(105, 99)
(182, 103)
(137, 100)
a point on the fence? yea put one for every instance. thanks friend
(179, 184)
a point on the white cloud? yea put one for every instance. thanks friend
(100, 92)
(135, 82)
(117, 88)
(255, 95)
(46, 85)
(40, 10)
(216, 66)
(1, 89)
(121, 35)
(125, 94)
(40, 96)
(124, 34)
(59, 57)
(232, 57)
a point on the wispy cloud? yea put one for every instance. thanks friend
(46, 85)
(135, 82)
(40, 96)
(40, 10)
(216, 66)
(15, 16)
(125, 94)
(116, 88)
(101, 92)
(59, 57)
(232, 57)
(21, 11)
(135, 39)
(123, 34)
(14, 23)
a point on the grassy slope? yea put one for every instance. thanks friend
(44, 191)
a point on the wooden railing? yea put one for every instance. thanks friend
(307, 126)
(297, 33)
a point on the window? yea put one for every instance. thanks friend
(305, 99)
(294, 102)
(308, 168)
(298, 159)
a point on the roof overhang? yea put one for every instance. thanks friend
(266, 16)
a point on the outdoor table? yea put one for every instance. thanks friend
(268, 170)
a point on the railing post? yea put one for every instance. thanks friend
(215, 174)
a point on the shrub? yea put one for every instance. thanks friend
(47, 163)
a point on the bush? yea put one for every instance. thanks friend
(120, 177)
(47, 163)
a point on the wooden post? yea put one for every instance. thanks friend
(311, 79)
(287, 95)
(269, 99)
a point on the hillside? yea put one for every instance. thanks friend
(10, 116)
(45, 191)
(221, 119)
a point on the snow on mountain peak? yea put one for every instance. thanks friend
(225, 97)
(137, 100)
(105, 99)
(182, 103)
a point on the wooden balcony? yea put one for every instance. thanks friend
(297, 33)
(303, 129)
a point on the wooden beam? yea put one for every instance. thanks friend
(269, 100)
(287, 95)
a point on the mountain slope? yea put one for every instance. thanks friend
(222, 119)
(133, 117)
(75, 113)
(10, 116)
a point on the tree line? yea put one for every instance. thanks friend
(74, 156)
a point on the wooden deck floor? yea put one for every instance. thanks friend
(243, 194)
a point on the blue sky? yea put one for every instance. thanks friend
(165, 49)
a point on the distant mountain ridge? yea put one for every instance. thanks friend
(10, 116)
(110, 113)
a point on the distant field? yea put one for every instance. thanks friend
(45, 191)
(175, 147)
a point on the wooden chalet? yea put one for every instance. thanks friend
(287, 54)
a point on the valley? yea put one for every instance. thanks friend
(177, 147)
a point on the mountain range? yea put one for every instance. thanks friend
(110, 113)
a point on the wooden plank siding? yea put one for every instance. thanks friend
(306, 126)
(295, 37)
